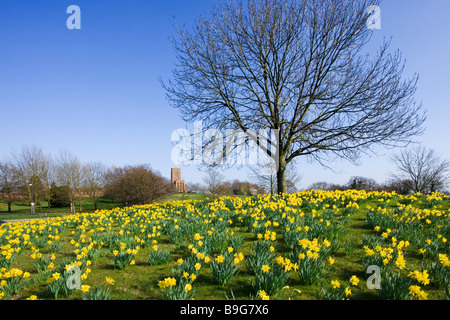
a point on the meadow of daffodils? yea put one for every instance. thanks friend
(304, 246)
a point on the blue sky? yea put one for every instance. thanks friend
(96, 92)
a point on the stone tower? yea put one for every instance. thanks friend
(178, 184)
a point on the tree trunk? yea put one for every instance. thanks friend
(281, 178)
(9, 207)
(95, 202)
(272, 184)
(80, 203)
(49, 205)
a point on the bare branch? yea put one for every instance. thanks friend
(296, 66)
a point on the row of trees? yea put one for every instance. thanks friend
(31, 175)
(62, 181)
(299, 68)
(134, 185)
(419, 169)
(214, 183)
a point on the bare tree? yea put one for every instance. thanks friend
(246, 188)
(297, 67)
(34, 172)
(269, 182)
(402, 186)
(48, 177)
(421, 168)
(94, 180)
(320, 185)
(69, 174)
(9, 183)
(362, 183)
(213, 182)
(195, 187)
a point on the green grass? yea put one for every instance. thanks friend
(22, 210)
(185, 196)
(140, 281)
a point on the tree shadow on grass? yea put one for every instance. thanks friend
(238, 288)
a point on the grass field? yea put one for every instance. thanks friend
(22, 210)
(306, 246)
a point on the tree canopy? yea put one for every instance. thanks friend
(297, 67)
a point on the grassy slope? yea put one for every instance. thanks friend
(140, 281)
(21, 210)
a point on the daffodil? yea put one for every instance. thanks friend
(265, 268)
(400, 262)
(416, 291)
(263, 295)
(85, 288)
(354, 280)
(56, 276)
(421, 277)
(348, 291)
(336, 284)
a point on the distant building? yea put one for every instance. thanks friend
(178, 184)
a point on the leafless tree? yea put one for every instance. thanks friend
(323, 185)
(269, 182)
(9, 183)
(195, 187)
(34, 170)
(213, 182)
(94, 180)
(48, 176)
(297, 67)
(320, 185)
(246, 188)
(69, 174)
(362, 183)
(402, 186)
(423, 169)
